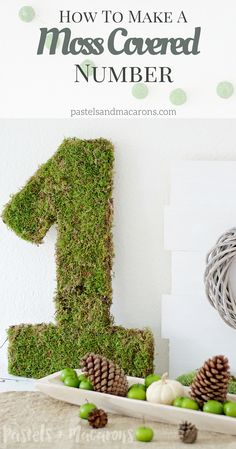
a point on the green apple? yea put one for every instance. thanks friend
(230, 409)
(137, 386)
(144, 434)
(85, 409)
(226, 402)
(86, 385)
(213, 407)
(71, 381)
(67, 372)
(190, 403)
(150, 379)
(82, 377)
(136, 393)
(178, 401)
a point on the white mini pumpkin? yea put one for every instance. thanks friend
(164, 391)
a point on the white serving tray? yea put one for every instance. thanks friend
(54, 387)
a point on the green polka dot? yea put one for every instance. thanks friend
(84, 64)
(26, 13)
(140, 91)
(225, 89)
(178, 97)
(48, 41)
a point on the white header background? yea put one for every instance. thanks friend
(43, 85)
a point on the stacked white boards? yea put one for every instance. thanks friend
(202, 207)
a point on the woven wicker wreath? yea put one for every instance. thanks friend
(217, 279)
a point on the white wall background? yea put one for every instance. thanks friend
(144, 152)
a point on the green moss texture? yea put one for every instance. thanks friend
(187, 379)
(74, 190)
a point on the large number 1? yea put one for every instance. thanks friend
(74, 190)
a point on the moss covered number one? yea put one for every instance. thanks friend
(74, 190)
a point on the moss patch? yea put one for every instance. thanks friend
(74, 190)
(187, 379)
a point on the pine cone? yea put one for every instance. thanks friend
(211, 381)
(105, 375)
(187, 432)
(97, 418)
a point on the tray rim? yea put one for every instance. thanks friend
(90, 394)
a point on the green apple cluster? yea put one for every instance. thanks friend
(227, 408)
(71, 379)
